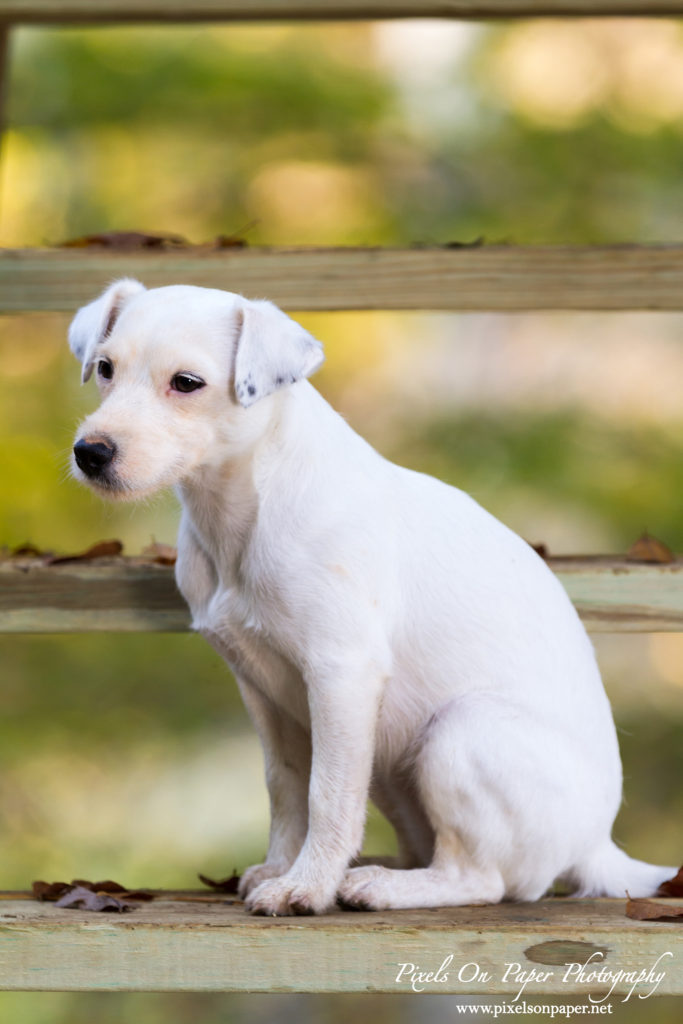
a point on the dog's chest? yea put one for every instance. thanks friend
(233, 626)
(237, 620)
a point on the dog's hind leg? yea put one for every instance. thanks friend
(448, 882)
(395, 794)
(508, 805)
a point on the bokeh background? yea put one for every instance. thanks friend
(130, 756)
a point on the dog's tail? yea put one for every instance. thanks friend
(611, 872)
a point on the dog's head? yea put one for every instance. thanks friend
(187, 378)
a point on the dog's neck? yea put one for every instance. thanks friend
(221, 500)
(222, 507)
(282, 463)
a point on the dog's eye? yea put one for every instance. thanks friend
(105, 369)
(186, 382)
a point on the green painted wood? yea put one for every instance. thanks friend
(98, 11)
(496, 278)
(130, 595)
(170, 946)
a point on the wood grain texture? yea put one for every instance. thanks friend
(127, 595)
(167, 946)
(495, 278)
(120, 595)
(103, 11)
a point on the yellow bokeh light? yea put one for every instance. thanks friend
(666, 652)
(557, 73)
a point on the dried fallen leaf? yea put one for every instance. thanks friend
(649, 549)
(106, 886)
(474, 244)
(164, 554)
(80, 898)
(54, 891)
(674, 887)
(28, 551)
(227, 885)
(103, 549)
(649, 910)
(125, 240)
(230, 242)
(49, 890)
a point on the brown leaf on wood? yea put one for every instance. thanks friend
(115, 889)
(49, 890)
(474, 244)
(227, 885)
(80, 898)
(28, 551)
(125, 240)
(164, 554)
(236, 240)
(103, 549)
(648, 910)
(141, 895)
(674, 887)
(230, 242)
(106, 886)
(53, 891)
(649, 549)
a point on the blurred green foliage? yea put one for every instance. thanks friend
(123, 127)
(626, 476)
(195, 81)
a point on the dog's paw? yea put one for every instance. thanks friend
(283, 897)
(256, 874)
(366, 888)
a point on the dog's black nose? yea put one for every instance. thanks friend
(92, 457)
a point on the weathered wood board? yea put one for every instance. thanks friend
(169, 946)
(469, 278)
(120, 595)
(128, 595)
(97, 11)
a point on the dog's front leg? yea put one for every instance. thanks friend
(287, 755)
(343, 714)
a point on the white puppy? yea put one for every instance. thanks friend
(389, 637)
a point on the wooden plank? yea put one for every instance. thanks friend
(103, 11)
(118, 595)
(167, 946)
(616, 596)
(497, 278)
(4, 61)
(128, 595)
(5, 33)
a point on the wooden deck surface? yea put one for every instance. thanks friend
(168, 945)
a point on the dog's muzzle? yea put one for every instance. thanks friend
(93, 457)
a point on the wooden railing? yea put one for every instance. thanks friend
(132, 595)
(111, 11)
(494, 278)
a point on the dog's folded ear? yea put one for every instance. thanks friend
(95, 322)
(272, 352)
